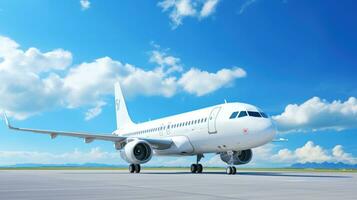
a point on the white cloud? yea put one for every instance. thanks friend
(168, 63)
(85, 4)
(308, 153)
(33, 82)
(269, 155)
(208, 8)
(95, 155)
(316, 114)
(43, 80)
(180, 9)
(341, 156)
(93, 112)
(198, 82)
(314, 153)
(246, 5)
(87, 83)
(28, 82)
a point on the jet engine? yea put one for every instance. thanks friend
(136, 152)
(237, 157)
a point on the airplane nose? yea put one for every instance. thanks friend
(268, 130)
(271, 129)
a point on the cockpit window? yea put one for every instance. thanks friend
(254, 114)
(233, 115)
(263, 115)
(242, 114)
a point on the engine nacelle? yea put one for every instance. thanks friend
(136, 152)
(239, 157)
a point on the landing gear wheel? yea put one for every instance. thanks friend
(137, 168)
(199, 168)
(231, 170)
(194, 168)
(234, 170)
(131, 168)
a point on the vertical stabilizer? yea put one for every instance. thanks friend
(122, 115)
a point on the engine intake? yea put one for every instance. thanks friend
(136, 152)
(238, 157)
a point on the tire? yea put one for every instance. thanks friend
(137, 168)
(199, 168)
(234, 170)
(131, 168)
(193, 168)
(229, 170)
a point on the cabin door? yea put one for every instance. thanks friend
(168, 128)
(161, 130)
(212, 120)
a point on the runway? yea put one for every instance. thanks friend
(119, 184)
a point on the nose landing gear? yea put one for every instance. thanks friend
(231, 170)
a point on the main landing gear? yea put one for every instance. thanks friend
(197, 168)
(134, 168)
(230, 170)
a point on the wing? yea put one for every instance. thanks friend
(88, 138)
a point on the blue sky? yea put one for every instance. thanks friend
(294, 59)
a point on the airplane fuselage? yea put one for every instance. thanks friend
(208, 130)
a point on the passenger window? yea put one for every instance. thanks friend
(233, 115)
(254, 114)
(242, 114)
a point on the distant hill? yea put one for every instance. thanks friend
(324, 165)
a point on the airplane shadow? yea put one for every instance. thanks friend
(272, 174)
(276, 174)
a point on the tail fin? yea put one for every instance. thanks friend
(122, 115)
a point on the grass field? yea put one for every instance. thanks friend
(181, 169)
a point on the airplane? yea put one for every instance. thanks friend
(231, 130)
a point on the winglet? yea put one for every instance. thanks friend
(7, 120)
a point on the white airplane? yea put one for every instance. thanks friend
(229, 129)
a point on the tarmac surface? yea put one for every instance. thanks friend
(119, 184)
